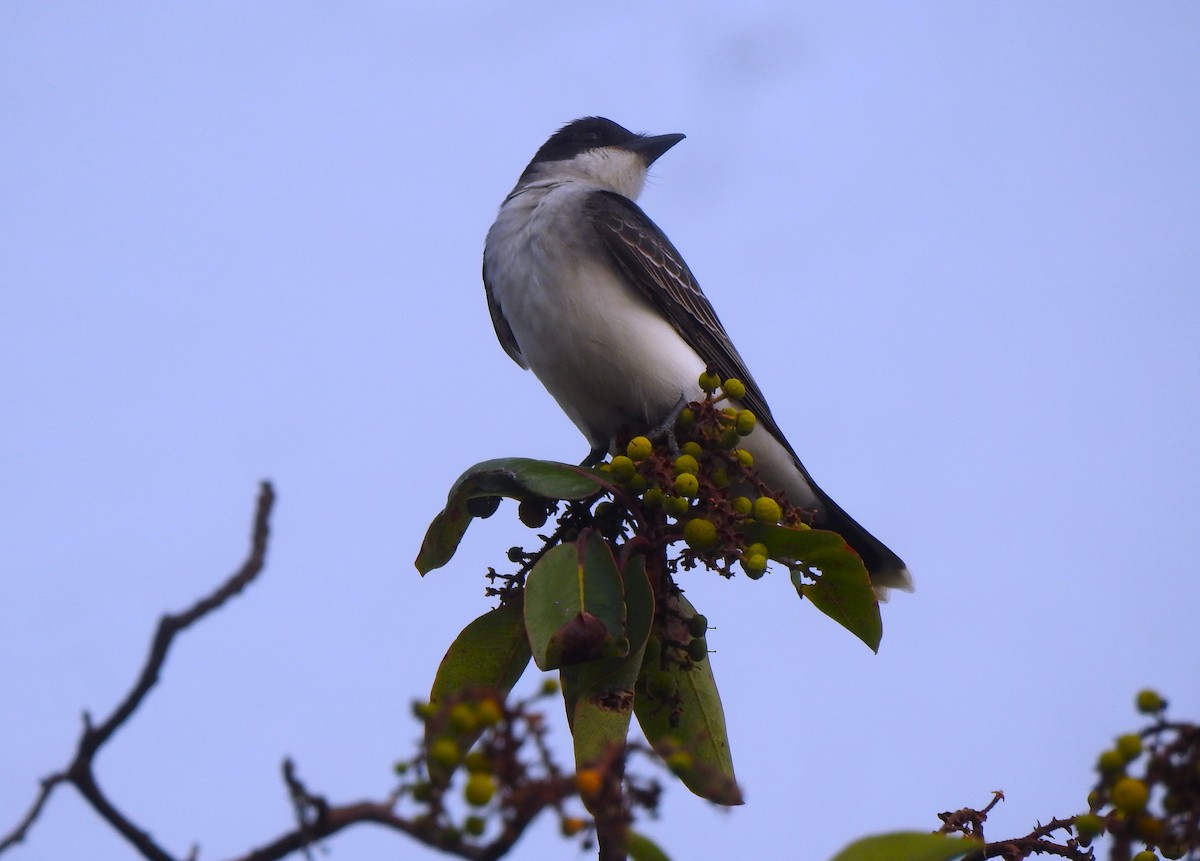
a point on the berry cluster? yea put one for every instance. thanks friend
(707, 489)
(1148, 793)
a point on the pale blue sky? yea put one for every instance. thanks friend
(956, 243)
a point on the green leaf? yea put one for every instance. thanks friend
(599, 694)
(841, 591)
(680, 712)
(642, 848)
(908, 846)
(514, 477)
(486, 658)
(574, 604)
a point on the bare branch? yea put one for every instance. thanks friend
(79, 772)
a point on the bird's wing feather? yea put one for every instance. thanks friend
(648, 259)
(504, 332)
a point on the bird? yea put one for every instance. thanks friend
(589, 293)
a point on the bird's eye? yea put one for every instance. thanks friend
(589, 136)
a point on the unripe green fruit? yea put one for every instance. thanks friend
(483, 506)
(692, 447)
(1149, 829)
(488, 712)
(637, 484)
(474, 825)
(401, 768)
(1173, 852)
(445, 752)
(1145, 855)
(1110, 761)
(720, 478)
(729, 415)
(709, 382)
(734, 388)
(697, 649)
(767, 510)
(653, 497)
(1088, 825)
(687, 485)
(676, 506)
(463, 719)
(1130, 794)
(532, 512)
(687, 418)
(1149, 702)
(745, 422)
(549, 686)
(639, 448)
(424, 711)
(621, 468)
(685, 464)
(479, 789)
(745, 458)
(653, 653)
(742, 506)
(698, 625)
(422, 792)
(1129, 746)
(755, 565)
(700, 534)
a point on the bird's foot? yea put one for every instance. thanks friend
(665, 430)
(594, 457)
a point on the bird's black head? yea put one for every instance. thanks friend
(595, 133)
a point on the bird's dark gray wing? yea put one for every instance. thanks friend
(648, 259)
(504, 332)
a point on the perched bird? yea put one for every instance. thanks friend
(588, 293)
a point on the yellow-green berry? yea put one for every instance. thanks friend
(639, 448)
(637, 484)
(445, 752)
(676, 506)
(621, 468)
(742, 506)
(463, 719)
(549, 686)
(734, 388)
(474, 825)
(479, 789)
(422, 792)
(1130, 795)
(1149, 702)
(744, 457)
(692, 447)
(1145, 855)
(572, 825)
(745, 422)
(685, 464)
(697, 649)
(728, 438)
(653, 497)
(424, 711)
(687, 485)
(720, 478)
(488, 712)
(1149, 829)
(755, 565)
(698, 625)
(687, 418)
(1088, 825)
(1110, 761)
(709, 382)
(1129, 746)
(767, 510)
(700, 534)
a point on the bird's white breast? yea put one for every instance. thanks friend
(606, 355)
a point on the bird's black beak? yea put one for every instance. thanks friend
(650, 147)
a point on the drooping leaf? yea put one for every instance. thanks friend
(841, 591)
(680, 712)
(514, 477)
(908, 846)
(486, 658)
(599, 694)
(642, 848)
(574, 604)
